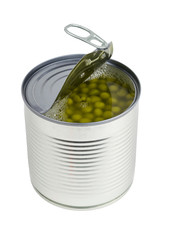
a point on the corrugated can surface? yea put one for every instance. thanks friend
(81, 165)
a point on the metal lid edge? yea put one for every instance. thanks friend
(65, 57)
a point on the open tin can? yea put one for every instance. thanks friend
(77, 165)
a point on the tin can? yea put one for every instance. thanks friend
(77, 165)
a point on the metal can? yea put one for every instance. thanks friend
(77, 165)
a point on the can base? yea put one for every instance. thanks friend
(82, 208)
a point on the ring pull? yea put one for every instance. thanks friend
(92, 38)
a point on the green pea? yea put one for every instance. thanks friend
(76, 89)
(94, 99)
(104, 95)
(76, 117)
(98, 119)
(122, 103)
(69, 120)
(112, 101)
(77, 98)
(128, 103)
(94, 92)
(102, 81)
(99, 105)
(125, 85)
(87, 109)
(113, 88)
(98, 112)
(89, 116)
(122, 92)
(103, 87)
(116, 110)
(107, 114)
(92, 85)
(84, 120)
(84, 90)
(128, 96)
(95, 80)
(83, 97)
(69, 101)
(88, 99)
(82, 85)
(69, 111)
(72, 95)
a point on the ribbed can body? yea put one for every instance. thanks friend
(77, 165)
(81, 166)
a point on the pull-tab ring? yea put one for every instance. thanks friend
(92, 39)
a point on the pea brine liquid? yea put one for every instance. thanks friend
(94, 100)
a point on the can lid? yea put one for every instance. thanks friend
(47, 79)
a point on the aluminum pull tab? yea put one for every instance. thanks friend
(93, 39)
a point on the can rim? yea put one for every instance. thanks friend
(112, 62)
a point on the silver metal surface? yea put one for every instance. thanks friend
(79, 165)
(90, 39)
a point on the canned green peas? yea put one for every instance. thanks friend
(96, 100)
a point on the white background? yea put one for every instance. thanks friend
(146, 38)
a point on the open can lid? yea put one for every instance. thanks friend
(43, 83)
